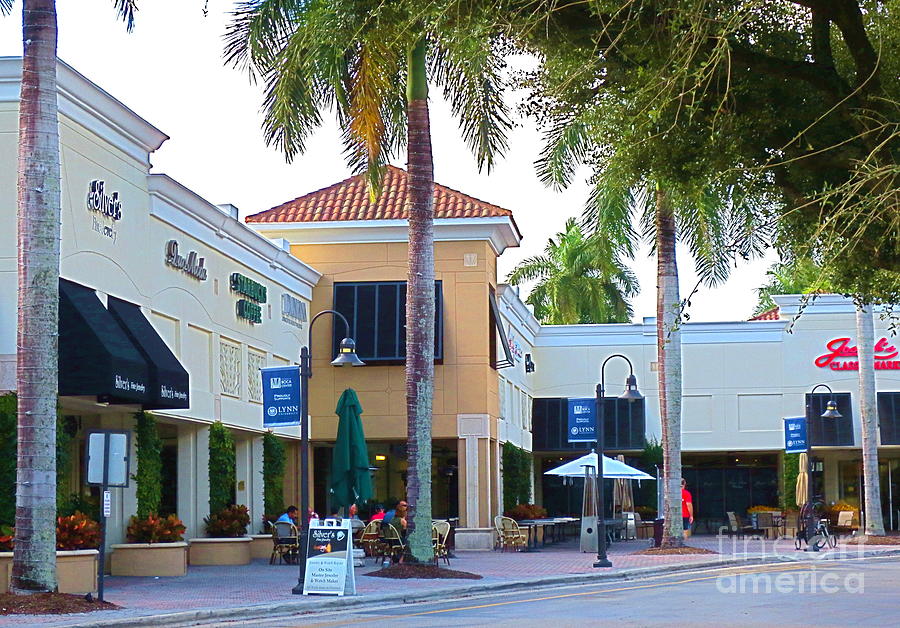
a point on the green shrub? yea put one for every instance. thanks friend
(148, 477)
(154, 529)
(229, 522)
(222, 472)
(516, 476)
(273, 475)
(790, 471)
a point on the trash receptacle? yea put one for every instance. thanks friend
(658, 532)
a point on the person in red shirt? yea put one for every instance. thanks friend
(687, 508)
(379, 513)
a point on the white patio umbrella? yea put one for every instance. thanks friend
(611, 469)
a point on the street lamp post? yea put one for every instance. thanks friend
(631, 394)
(346, 357)
(831, 412)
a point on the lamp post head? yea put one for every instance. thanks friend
(631, 390)
(347, 354)
(831, 411)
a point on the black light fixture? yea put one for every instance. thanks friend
(346, 357)
(632, 394)
(529, 363)
(831, 412)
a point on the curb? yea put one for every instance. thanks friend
(269, 611)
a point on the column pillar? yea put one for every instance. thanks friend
(193, 477)
(474, 431)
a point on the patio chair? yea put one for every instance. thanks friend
(285, 542)
(844, 525)
(511, 535)
(644, 529)
(393, 541)
(440, 530)
(370, 539)
(498, 528)
(789, 523)
(736, 526)
(765, 521)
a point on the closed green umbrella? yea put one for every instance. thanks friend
(350, 479)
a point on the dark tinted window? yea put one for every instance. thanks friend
(624, 425)
(889, 417)
(376, 312)
(829, 432)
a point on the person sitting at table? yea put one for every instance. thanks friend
(379, 513)
(397, 517)
(288, 516)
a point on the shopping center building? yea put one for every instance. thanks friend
(170, 304)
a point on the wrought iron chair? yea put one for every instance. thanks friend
(285, 542)
(440, 530)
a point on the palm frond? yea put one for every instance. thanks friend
(609, 212)
(125, 10)
(6, 6)
(469, 69)
(258, 30)
(529, 269)
(566, 147)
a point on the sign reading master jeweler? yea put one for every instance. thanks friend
(329, 559)
(281, 395)
(582, 420)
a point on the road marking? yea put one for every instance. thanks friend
(357, 620)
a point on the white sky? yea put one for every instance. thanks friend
(170, 71)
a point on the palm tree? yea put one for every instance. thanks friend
(38, 211)
(579, 280)
(371, 63)
(805, 276)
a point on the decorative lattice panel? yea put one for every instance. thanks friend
(255, 361)
(230, 368)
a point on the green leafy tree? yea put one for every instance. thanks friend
(222, 468)
(798, 276)
(38, 231)
(579, 280)
(371, 63)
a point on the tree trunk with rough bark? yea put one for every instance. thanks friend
(868, 418)
(34, 556)
(419, 308)
(668, 348)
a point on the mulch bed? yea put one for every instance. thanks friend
(404, 571)
(50, 604)
(873, 540)
(665, 551)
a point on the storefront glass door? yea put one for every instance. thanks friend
(889, 473)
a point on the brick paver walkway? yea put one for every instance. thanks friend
(261, 583)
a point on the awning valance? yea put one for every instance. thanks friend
(114, 353)
(170, 383)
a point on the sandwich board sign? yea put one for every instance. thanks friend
(329, 558)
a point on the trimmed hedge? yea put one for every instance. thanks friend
(222, 468)
(273, 474)
(516, 476)
(148, 477)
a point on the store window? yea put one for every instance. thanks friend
(376, 311)
(830, 432)
(889, 417)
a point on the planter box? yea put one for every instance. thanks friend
(261, 546)
(234, 551)
(149, 559)
(475, 538)
(76, 571)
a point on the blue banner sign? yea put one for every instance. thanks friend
(582, 420)
(795, 439)
(281, 396)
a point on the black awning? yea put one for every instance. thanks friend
(96, 357)
(170, 384)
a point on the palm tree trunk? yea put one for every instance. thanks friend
(868, 418)
(668, 348)
(419, 308)
(34, 557)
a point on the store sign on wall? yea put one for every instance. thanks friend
(105, 209)
(842, 356)
(514, 347)
(192, 265)
(293, 310)
(248, 309)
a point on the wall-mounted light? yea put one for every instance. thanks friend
(529, 363)
(380, 457)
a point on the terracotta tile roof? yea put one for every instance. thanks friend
(349, 200)
(771, 314)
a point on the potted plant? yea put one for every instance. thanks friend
(77, 540)
(228, 543)
(155, 544)
(155, 547)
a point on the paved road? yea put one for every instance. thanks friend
(846, 593)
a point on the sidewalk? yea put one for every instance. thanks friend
(215, 589)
